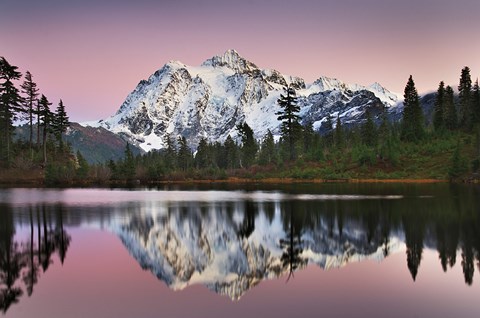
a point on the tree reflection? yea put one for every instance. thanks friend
(11, 263)
(292, 243)
(21, 263)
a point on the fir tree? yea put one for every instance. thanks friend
(412, 123)
(170, 152)
(10, 105)
(30, 90)
(230, 160)
(129, 163)
(476, 103)
(328, 137)
(60, 123)
(267, 151)
(290, 127)
(249, 145)
(204, 156)
(465, 99)
(46, 119)
(83, 167)
(339, 134)
(438, 112)
(185, 156)
(369, 132)
(450, 114)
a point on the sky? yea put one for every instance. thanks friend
(92, 53)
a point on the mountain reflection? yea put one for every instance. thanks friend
(231, 246)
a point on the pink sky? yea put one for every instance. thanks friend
(92, 54)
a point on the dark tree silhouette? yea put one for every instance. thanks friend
(290, 119)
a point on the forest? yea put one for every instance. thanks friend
(444, 147)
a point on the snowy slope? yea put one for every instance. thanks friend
(209, 100)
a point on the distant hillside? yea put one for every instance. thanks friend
(97, 145)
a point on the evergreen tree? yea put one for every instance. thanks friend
(204, 156)
(476, 103)
(46, 119)
(438, 112)
(129, 163)
(465, 99)
(170, 152)
(249, 148)
(412, 123)
(267, 151)
(30, 90)
(339, 134)
(60, 123)
(290, 127)
(10, 106)
(328, 137)
(83, 167)
(185, 157)
(450, 114)
(230, 160)
(458, 164)
(369, 132)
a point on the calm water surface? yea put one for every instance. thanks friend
(277, 251)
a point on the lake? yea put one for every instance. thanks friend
(332, 250)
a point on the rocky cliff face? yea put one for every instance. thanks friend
(208, 101)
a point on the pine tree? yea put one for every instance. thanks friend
(412, 123)
(328, 137)
(30, 90)
(129, 163)
(170, 152)
(185, 156)
(249, 148)
(438, 112)
(204, 156)
(267, 151)
(46, 119)
(60, 123)
(10, 105)
(339, 134)
(450, 114)
(83, 167)
(290, 127)
(465, 99)
(369, 132)
(476, 103)
(230, 160)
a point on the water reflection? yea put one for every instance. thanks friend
(233, 243)
(22, 262)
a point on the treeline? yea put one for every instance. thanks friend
(449, 147)
(45, 149)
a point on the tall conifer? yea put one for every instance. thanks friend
(465, 99)
(412, 123)
(30, 90)
(10, 105)
(60, 123)
(439, 110)
(290, 119)
(450, 115)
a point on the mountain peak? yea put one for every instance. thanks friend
(232, 60)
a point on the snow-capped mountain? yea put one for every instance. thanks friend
(230, 250)
(209, 100)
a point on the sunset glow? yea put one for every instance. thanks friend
(92, 54)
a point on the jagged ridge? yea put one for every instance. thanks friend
(208, 101)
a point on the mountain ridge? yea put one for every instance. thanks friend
(209, 100)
